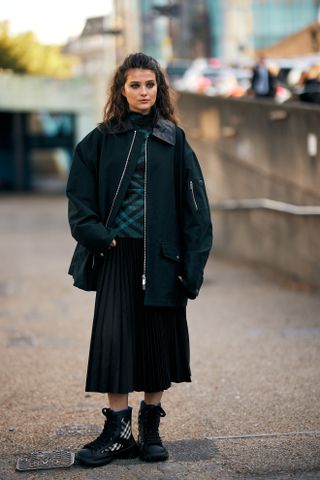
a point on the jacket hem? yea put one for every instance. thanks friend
(164, 302)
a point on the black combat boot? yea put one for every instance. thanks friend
(149, 441)
(115, 441)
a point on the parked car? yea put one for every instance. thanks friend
(229, 82)
(197, 76)
(176, 69)
(217, 82)
(209, 76)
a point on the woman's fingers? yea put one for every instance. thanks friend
(113, 243)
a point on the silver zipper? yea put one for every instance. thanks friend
(121, 178)
(193, 196)
(144, 274)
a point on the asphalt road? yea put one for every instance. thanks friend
(250, 412)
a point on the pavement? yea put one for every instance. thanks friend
(250, 412)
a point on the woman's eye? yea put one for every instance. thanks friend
(137, 85)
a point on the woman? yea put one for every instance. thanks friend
(137, 203)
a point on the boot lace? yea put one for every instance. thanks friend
(107, 433)
(150, 424)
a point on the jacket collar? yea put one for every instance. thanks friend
(164, 129)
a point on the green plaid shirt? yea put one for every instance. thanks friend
(129, 220)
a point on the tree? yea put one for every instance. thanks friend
(23, 53)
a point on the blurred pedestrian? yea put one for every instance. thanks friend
(138, 206)
(263, 82)
(310, 83)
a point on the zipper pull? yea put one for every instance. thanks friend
(144, 282)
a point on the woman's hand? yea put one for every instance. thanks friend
(191, 295)
(113, 243)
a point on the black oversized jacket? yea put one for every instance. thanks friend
(178, 226)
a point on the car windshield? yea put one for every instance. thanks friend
(211, 73)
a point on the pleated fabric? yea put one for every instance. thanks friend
(134, 347)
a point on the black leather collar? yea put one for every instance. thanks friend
(163, 129)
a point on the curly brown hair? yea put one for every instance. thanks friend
(116, 108)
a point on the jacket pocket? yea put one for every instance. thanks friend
(193, 195)
(170, 251)
(197, 194)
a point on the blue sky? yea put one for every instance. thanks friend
(53, 22)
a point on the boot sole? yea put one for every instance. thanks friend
(131, 452)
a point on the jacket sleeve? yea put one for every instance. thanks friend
(196, 224)
(82, 192)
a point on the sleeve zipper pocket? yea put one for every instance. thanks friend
(193, 195)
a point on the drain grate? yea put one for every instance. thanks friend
(78, 430)
(45, 460)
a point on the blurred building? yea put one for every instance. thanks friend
(175, 29)
(231, 27)
(228, 29)
(95, 46)
(275, 20)
(305, 42)
(241, 27)
(127, 18)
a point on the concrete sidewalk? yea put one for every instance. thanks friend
(251, 411)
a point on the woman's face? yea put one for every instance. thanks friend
(140, 90)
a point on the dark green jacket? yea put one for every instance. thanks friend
(178, 224)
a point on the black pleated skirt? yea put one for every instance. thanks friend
(134, 347)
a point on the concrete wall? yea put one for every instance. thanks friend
(255, 148)
(24, 93)
(258, 149)
(286, 242)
